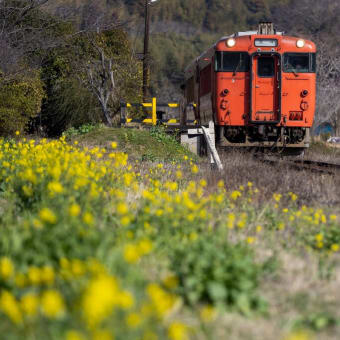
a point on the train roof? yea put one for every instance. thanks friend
(212, 48)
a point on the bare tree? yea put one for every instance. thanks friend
(100, 80)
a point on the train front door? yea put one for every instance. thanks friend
(265, 103)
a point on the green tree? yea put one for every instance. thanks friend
(20, 101)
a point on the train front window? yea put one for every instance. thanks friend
(299, 62)
(232, 62)
(265, 67)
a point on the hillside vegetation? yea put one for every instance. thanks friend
(80, 58)
(182, 29)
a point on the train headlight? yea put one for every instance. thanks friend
(300, 43)
(231, 42)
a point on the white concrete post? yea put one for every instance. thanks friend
(209, 134)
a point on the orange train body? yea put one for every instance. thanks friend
(259, 89)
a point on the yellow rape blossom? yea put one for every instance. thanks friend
(122, 208)
(99, 299)
(235, 195)
(29, 304)
(74, 210)
(335, 247)
(133, 320)
(251, 240)
(102, 335)
(34, 275)
(178, 331)
(171, 281)
(208, 313)
(48, 216)
(74, 335)
(47, 275)
(6, 268)
(131, 253)
(88, 218)
(194, 169)
(10, 307)
(52, 304)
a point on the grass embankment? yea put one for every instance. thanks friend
(95, 245)
(142, 145)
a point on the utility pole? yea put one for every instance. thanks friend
(146, 51)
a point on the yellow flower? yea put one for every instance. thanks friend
(10, 307)
(114, 145)
(171, 281)
(133, 320)
(74, 335)
(258, 229)
(179, 174)
(55, 188)
(47, 275)
(162, 301)
(220, 183)
(194, 169)
(34, 275)
(102, 335)
(100, 297)
(277, 197)
(334, 247)
(20, 280)
(332, 217)
(131, 253)
(299, 335)
(29, 304)
(319, 237)
(74, 210)
(251, 240)
(178, 331)
(125, 300)
(285, 210)
(125, 220)
(208, 313)
(235, 195)
(6, 268)
(281, 226)
(203, 183)
(319, 244)
(144, 247)
(48, 216)
(17, 133)
(77, 268)
(52, 304)
(122, 208)
(88, 218)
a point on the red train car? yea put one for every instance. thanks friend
(258, 87)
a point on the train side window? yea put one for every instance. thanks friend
(218, 61)
(265, 67)
(313, 62)
(298, 63)
(231, 61)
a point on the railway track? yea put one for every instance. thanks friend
(303, 165)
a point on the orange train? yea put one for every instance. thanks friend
(258, 87)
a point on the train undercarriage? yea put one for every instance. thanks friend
(262, 136)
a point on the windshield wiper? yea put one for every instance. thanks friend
(294, 72)
(238, 65)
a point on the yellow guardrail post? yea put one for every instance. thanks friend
(154, 111)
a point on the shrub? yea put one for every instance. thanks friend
(20, 101)
(212, 270)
